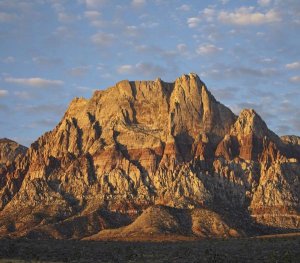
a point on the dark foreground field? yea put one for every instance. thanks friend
(271, 249)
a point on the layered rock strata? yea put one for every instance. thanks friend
(145, 143)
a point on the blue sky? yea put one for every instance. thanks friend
(247, 53)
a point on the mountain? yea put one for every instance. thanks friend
(151, 149)
(10, 152)
(165, 223)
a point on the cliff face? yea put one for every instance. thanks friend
(10, 153)
(146, 143)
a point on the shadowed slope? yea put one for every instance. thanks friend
(165, 223)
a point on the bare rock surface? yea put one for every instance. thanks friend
(11, 153)
(10, 150)
(155, 147)
(291, 139)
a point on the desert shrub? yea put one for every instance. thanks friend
(11, 227)
(287, 257)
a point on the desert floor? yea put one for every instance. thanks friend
(283, 248)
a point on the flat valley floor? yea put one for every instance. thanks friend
(276, 248)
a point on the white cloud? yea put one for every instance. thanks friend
(208, 14)
(260, 34)
(92, 14)
(241, 72)
(48, 122)
(182, 48)
(149, 24)
(193, 21)
(264, 2)
(47, 61)
(85, 89)
(138, 3)
(102, 39)
(184, 8)
(132, 30)
(9, 59)
(207, 49)
(145, 69)
(63, 32)
(56, 109)
(125, 69)
(295, 79)
(149, 69)
(66, 18)
(23, 95)
(79, 71)
(267, 60)
(6, 17)
(34, 82)
(94, 17)
(62, 16)
(247, 16)
(224, 2)
(57, 6)
(93, 3)
(3, 93)
(294, 65)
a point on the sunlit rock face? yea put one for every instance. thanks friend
(10, 152)
(145, 143)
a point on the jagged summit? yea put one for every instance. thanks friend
(249, 122)
(143, 144)
(10, 150)
(291, 139)
(5, 140)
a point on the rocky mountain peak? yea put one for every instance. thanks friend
(291, 139)
(141, 144)
(249, 122)
(10, 150)
(248, 137)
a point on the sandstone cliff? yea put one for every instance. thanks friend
(10, 150)
(10, 154)
(145, 143)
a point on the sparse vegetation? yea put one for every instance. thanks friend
(273, 249)
(10, 226)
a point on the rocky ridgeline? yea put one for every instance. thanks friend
(10, 154)
(146, 144)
